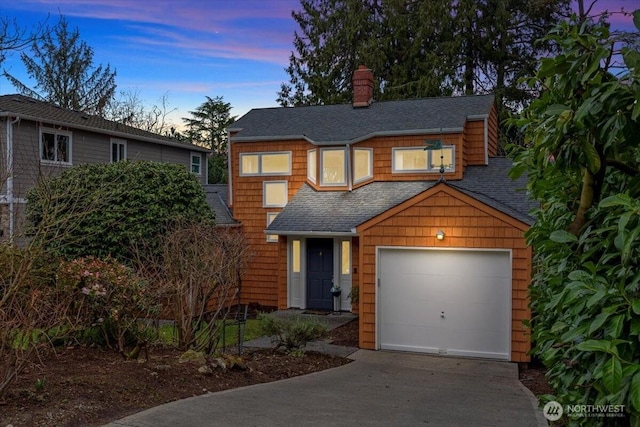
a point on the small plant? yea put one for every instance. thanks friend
(40, 383)
(292, 332)
(354, 294)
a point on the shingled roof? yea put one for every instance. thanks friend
(217, 198)
(341, 124)
(32, 109)
(338, 212)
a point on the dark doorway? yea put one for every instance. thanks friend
(319, 274)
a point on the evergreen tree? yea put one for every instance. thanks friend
(417, 48)
(207, 126)
(62, 66)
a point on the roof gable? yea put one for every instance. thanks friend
(340, 124)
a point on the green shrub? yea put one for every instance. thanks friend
(292, 332)
(105, 209)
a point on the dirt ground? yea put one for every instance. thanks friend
(81, 386)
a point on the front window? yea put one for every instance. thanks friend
(118, 150)
(345, 262)
(274, 194)
(55, 146)
(311, 165)
(265, 163)
(362, 164)
(333, 166)
(196, 163)
(420, 160)
(270, 217)
(295, 256)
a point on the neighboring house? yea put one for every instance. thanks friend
(347, 195)
(38, 139)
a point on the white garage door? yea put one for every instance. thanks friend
(450, 302)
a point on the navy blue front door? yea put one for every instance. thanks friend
(319, 274)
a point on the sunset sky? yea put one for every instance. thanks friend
(189, 49)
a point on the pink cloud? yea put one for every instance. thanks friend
(208, 28)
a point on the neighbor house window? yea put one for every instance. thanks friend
(312, 169)
(362, 164)
(333, 166)
(265, 163)
(118, 150)
(274, 194)
(55, 146)
(196, 163)
(270, 217)
(417, 159)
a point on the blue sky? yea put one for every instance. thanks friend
(189, 49)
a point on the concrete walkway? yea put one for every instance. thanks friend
(378, 388)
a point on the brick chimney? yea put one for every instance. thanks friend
(362, 87)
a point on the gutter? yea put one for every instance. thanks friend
(350, 141)
(312, 233)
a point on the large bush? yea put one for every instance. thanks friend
(583, 164)
(105, 209)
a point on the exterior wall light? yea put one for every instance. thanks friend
(440, 235)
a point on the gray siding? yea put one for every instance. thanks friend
(86, 147)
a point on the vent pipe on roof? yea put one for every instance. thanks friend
(362, 87)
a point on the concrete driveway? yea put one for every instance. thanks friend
(378, 389)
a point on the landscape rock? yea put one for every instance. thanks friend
(193, 356)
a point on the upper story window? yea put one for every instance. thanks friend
(417, 159)
(196, 163)
(274, 194)
(362, 164)
(118, 150)
(278, 163)
(55, 146)
(333, 166)
(312, 170)
(270, 217)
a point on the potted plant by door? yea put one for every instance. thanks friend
(336, 292)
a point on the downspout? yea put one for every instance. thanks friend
(10, 175)
(349, 166)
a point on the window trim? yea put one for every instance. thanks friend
(429, 155)
(260, 157)
(193, 155)
(370, 174)
(265, 184)
(271, 216)
(344, 167)
(55, 133)
(118, 141)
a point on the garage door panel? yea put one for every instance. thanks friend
(448, 302)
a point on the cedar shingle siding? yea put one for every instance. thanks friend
(477, 204)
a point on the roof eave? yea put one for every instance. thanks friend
(349, 141)
(185, 146)
(311, 233)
